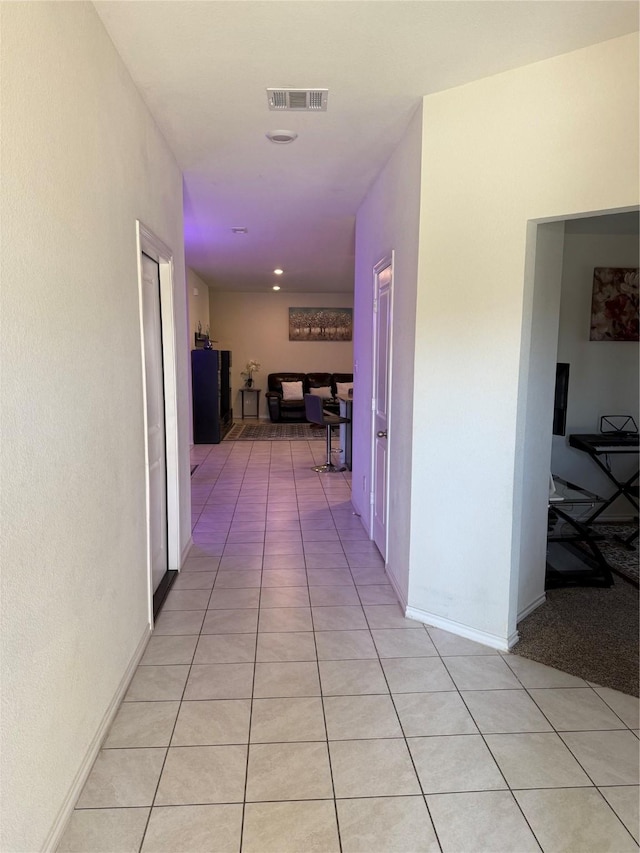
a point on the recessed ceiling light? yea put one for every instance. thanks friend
(276, 287)
(278, 272)
(281, 137)
(239, 229)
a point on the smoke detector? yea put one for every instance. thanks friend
(306, 100)
(281, 137)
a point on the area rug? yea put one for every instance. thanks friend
(622, 561)
(274, 432)
(588, 632)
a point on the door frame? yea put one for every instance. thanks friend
(147, 242)
(388, 261)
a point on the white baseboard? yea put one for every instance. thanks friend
(66, 810)
(396, 588)
(502, 644)
(532, 606)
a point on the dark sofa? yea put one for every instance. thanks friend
(293, 410)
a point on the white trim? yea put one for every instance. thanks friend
(493, 641)
(396, 588)
(152, 246)
(532, 606)
(66, 809)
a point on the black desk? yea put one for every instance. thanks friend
(600, 447)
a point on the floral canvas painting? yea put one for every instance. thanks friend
(320, 324)
(614, 306)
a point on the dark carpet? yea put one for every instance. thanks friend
(588, 632)
(274, 432)
(622, 561)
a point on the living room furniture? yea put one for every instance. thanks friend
(346, 411)
(285, 398)
(211, 393)
(573, 555)
(255, 391)
(317, 415)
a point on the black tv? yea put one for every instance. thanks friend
(561, 399)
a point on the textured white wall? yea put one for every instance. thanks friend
(256, 325)
(198, 304)
(388, 220)
(81, 160)
(603, 378)
(533, 143)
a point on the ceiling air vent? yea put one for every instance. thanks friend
(309, 100)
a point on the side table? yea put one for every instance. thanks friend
(255, 391)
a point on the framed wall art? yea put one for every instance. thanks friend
(614, 304)
(320, 324)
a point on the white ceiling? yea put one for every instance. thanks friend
(203, 67)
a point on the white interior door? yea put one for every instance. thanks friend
(383, 281)
(156, 441)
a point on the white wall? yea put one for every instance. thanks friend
(198, 305)
(388, 220)
(603, 377)
(256, 326)
(81, 161)
(497, 153)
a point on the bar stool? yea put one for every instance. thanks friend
(316, 415)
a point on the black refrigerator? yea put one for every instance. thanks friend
(211, 392)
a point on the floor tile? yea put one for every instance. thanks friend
(329, 577)
(283, 680)
(284, 578)
(142, 724)
(230, 622)
(288, 771)
(355, 717)
(372, 768)
(416, 675)
(530, 673)
(352, 677)
(188, 599)
(454, 763)
(288, 646)
(240, 579)
(480, 821)
(366, 577)
(392, 824)
(377, 594)
(399, 643)
(345, 645)
(194, 580)
(290, 827)
(292, 559)
(287, 596)
(574, 819)
(625, 801)
(225, 648)
(195, 775)
(220, 681)
(505, 711)
(240, 549)
(338, 618)
(575, 709)
(450, 645)
(327, 596)
(326, 561)
(169, 650)
(197, 829)
(424, 714)
(537, 760)
(281, 619)
(626, 707)
(211, 723)
(246, 562)
(481, 673)
(104, 831)
(287, 720)
(157, 683)
(234, 599)
(179, 622)
(609, 758)
(122, 777)
(388, 616)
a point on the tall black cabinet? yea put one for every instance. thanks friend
(211, 392)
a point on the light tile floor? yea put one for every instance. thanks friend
(285, 704)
